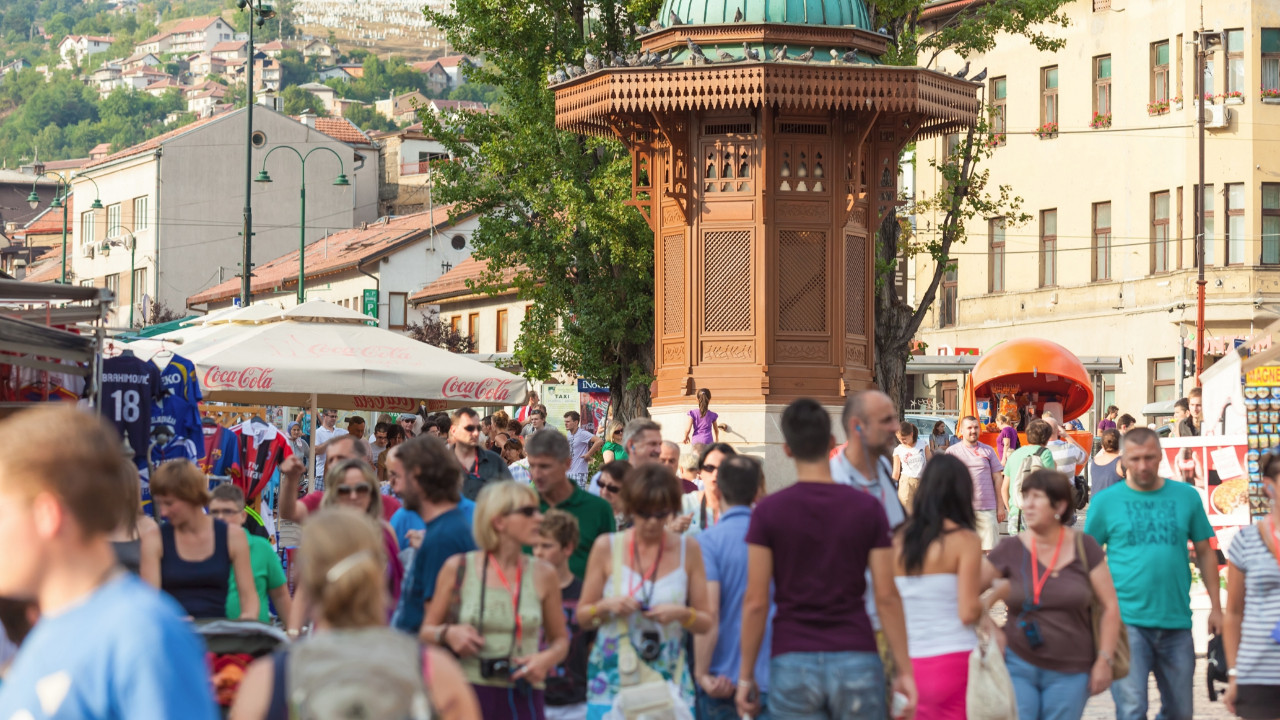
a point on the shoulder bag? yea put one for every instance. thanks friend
(989, 695)
(1120, 658)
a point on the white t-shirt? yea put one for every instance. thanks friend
(911, 459)
(323, 436)
(579, 441)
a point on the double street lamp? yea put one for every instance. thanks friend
(259, 13)
(64, 187)
(131, 244)
(340, 181)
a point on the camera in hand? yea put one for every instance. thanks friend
(650, 645)
(495, 668)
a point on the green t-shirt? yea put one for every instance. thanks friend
(268, 574)
(619, 452)
(1013, 466)
(1145, 535)
(595, 518)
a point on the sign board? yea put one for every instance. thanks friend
(586, 386)
(1218, 469)
(559, 400)
(235, 301)
(370, 303)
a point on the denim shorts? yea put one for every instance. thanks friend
(827, 686)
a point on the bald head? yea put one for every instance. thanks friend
(871, 421)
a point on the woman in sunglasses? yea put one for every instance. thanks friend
(612, 449)
(609, 480)
(644, 588)
(505, 601)
(351, 483)
(702, 507)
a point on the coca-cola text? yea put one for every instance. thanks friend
(250, 378)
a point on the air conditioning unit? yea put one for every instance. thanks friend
(87, 251)
(1217, 117)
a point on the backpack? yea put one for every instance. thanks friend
(363, 673)
(1031, 463)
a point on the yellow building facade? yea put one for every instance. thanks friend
(1099, 140)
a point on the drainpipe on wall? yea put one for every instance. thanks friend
(155, 232)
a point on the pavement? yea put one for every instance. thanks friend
(1100, 707)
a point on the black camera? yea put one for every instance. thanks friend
(495, 668)
(650, 646)
(1031, 628)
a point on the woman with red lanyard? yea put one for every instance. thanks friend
(1251, 621)
(1053, 662)
(644, 588)
(506, 602)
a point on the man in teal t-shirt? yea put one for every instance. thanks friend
(1145, 523)
(268, 575)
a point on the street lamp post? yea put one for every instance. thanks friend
(64, 186)
(259, 13)
(340, 181)
(132, 244)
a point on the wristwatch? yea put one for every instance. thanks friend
(444, 630)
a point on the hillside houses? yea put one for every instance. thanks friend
(74, 48)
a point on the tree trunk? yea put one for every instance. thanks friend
(893, 319)
(630, 403)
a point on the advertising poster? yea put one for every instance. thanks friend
(1217, 468)
(594, 402)
(1261, 393)
(559, 400)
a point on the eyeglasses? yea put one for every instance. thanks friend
(527, 511)
(611, 488)
(361, 490)
(653, 516)
(710, 468)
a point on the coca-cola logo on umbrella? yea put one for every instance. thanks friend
(369, 352)
(369, 402)
(250, 378)
(488, 389)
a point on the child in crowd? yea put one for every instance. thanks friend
(227, 505)
(908, 464)
(566, 694)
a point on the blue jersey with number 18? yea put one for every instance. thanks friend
(129, 385)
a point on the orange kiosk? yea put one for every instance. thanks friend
(1023, 378)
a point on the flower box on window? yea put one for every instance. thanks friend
(996, 139)
(1047, 130)
(1158, 107)
(1234, 97)
(1177, 103)
(1100, 120)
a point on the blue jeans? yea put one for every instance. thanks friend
(710, 708)
(1046, 694)
(1171, 655)
(827, 686)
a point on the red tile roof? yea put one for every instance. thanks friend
(72, 164)
(454, 283)
(452, 60)
(342, 250)
(340, 129)
(271, 46)
(192, 25)
(50, 220)
(47, 267)
(226, 45)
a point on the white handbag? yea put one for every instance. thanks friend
(989, 695)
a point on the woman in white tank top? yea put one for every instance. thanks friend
(938, 571)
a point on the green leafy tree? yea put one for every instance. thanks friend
(552, 204)
(966, 190)
(368, 119)
(295, 69)
(297, 100)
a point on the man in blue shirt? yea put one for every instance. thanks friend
(108, 647)
(428, 465)
(1144, 523)
(718, 653)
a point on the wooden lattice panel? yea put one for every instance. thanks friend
(727, 289)
(802, 281)
(855, 285)
(726, 167)
(802, 167)
(673, 284)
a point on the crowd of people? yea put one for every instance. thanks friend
(463, 566)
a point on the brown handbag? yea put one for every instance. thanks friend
(1120, 658)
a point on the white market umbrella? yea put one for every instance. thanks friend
(321, 352)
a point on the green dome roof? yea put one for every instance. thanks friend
(796, 12)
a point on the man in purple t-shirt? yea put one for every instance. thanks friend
(814, 541)
(986, 471)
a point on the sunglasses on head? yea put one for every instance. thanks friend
(607, 486)
(527, 511)
(361, 489)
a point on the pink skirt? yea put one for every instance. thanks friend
(941, 682)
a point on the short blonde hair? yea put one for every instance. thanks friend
(333, 478)
(497, 500)
(180, 480)
(343, 566)
(70, 457)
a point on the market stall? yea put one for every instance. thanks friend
(1024, 378)
(42, 356)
